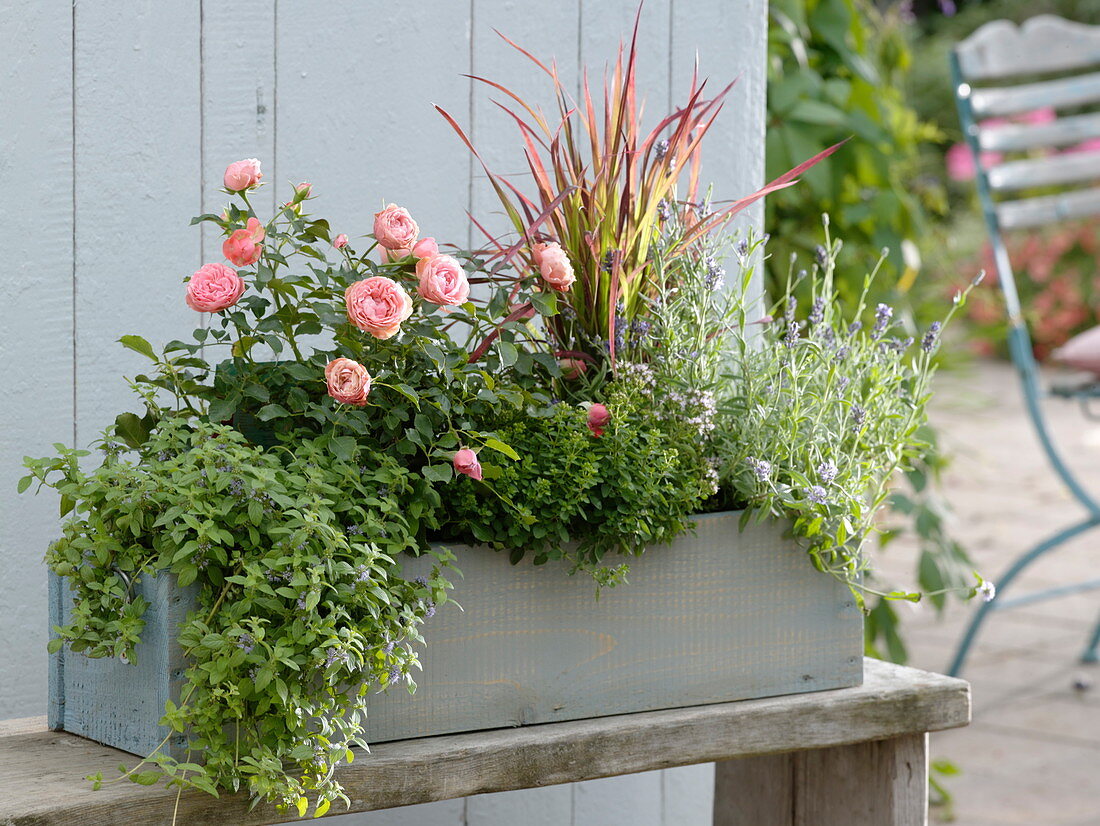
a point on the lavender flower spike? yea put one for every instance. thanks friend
(883, 314)
(761, 468)
(928, 343)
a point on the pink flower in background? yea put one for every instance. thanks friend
(960, 162)
(467, 464)
(442, 280)
(1091, 145)
(340, 241)
(348, 381)
(242, 175)
(554, 265)
(243, 247)
(1044, 115)
(377, 305)
(214, 288)
(394, 228)
(598, 417)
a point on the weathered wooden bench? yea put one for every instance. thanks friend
(853, 756)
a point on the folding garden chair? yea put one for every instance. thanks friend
(1050, 63)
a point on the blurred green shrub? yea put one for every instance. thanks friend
(837, 69)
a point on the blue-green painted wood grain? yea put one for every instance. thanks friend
(718, 616)
(114, 702)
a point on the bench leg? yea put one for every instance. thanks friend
(881, 783)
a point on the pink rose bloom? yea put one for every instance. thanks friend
(554, 266)
(243, 247)
(214, 288)
(467, 464)
(394, 228)
(242, 175)
(340, 241)
(377, 305)
(442, 281)
(598, 417)
(348, 381)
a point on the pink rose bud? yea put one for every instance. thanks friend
(598, 417)
(442, 280)
(243, 247)
(293, 206)
(421, 249)
(425, 247)
(214, 288)
(340, 241)
(395, 229)
(467, 464)
(377, 305)
(554, 265)
(572, 368)
(302, 191)
(242, 175)
(348, 381)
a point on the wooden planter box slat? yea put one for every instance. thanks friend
(718, 616)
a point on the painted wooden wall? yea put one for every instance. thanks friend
(118, 121)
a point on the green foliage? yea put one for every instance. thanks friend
(836, 70)
(814, 426)
(576, 496)
(301, 609)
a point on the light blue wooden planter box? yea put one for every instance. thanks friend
(718, 616)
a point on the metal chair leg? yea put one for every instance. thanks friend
(1092, 650)
(1014, 571)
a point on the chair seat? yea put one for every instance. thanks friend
(1082, 352)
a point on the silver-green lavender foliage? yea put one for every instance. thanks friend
(818, 416)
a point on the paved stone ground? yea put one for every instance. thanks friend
(1032, 754)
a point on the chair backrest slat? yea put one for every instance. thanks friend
(1070, 168)
(1042, 44)
(1027, 97)
(1019, 137)
(1048, 209)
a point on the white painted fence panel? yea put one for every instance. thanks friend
(138, 181)
(159, 97)
(36, 333)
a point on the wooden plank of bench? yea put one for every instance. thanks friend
(41, 771)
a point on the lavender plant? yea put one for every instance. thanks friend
(816, 422)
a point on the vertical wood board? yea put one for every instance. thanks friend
(356, 85)
(36, 347)
(552, 39)
(137, 185)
